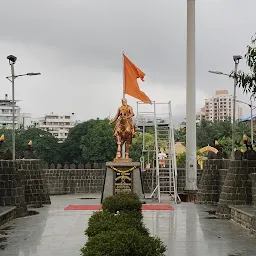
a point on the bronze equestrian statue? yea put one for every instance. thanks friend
(124, 130)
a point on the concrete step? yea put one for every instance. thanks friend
(7, 213)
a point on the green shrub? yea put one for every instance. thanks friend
(122, 203)
(105, 221)
(123, 243)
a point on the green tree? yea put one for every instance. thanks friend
(137, 145)
(71, 151)
(248, 80)
(45, 146)
(206, 133)
(181, 160)
(180, 135)
(98, 144)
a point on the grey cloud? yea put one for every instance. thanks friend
(90, 35)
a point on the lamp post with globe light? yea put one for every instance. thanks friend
(12, 60)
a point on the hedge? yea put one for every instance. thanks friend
(122, 203)
(118, 230)
(105, 221)
(123, 243)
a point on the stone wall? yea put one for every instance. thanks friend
(71, 181)
(237, 188)
(12, 187)
(36, 190)
(212, 181)
(244, 216)
(253, 179)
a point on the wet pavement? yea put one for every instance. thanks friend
(189, 230)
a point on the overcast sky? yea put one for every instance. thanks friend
(77, 46)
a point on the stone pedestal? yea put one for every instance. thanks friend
(122, 178)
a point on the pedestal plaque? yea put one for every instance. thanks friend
(122, 178)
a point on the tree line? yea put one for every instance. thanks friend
(93, 141)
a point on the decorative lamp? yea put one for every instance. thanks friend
(30, 144)
(2, 139)
(245, 139)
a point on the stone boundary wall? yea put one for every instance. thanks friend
(12, 187)
(212, 181)
(237, 188)
(35, 188)
(253, 179)
(72, 181)
(74, 166)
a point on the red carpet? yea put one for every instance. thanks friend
(145, 207)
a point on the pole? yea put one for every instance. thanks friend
(123, 147)
(251, 123)
(123, 77)
(191, 167)
(13, 114)
(234, 111)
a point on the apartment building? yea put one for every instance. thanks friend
(57, 125)
(200, 115)
(6, 114)
(220, 107)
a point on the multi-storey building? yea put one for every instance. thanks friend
(6, 114)
(200, 115)
(57, 125)
(220, 107)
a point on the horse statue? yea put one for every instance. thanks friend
(124, 130)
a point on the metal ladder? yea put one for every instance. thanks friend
(168, 174)
(165, 178)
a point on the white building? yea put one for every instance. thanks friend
(57, 125)
(6, 114)
(200, 115)
(220, 107)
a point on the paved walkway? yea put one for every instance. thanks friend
(189, 230)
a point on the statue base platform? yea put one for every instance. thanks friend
(122, 177)
(122, 160)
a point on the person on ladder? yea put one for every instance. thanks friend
(161, 157)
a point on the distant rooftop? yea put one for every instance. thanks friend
(219, 92)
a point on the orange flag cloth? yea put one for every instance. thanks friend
(131, 74)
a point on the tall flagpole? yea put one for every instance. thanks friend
(123, 147)
(123, 76)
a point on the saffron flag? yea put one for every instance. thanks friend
(131, 87)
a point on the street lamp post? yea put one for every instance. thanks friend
(236, 59)
(12, 60)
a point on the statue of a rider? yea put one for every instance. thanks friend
(124, 129)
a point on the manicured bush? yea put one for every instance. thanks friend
(105, 221)
(118, 230)
(123, 243)
(122, 203)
